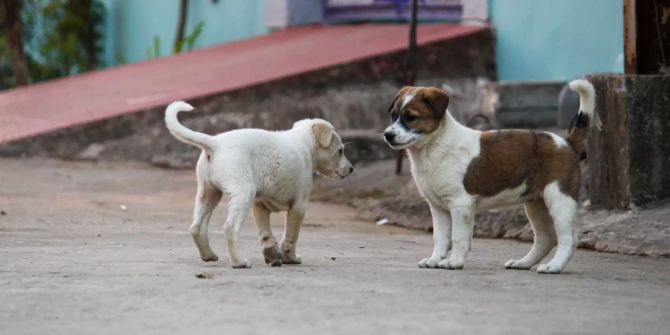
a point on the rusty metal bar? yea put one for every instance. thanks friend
(630, 37)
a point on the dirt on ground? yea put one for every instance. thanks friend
(377, 193)
(104, 248)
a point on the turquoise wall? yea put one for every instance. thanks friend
(132, 24)
(557, 39)
(536, 39)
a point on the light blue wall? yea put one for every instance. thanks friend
(557, 39)
(132, 24)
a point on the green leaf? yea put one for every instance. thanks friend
(189, 40)
(157, 46)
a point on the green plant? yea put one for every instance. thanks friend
(61, 37)
(13, 53)
(6, 72)
(154, 50)
(72, 43)
(189, 41)
(120, 58)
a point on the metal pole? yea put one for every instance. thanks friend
(409, 72)
(630, 37)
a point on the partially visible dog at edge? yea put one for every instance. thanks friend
(267, 171)
(460, 171)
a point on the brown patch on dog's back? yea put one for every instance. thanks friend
(505, 160)
(508, 158)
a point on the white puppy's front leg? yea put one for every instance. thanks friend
(294, 218)
(441, 237)
(463, 224)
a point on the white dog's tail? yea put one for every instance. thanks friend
(586, 116)
(204, 141)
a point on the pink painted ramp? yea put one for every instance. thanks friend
(98, 95)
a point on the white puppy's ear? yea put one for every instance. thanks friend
(323, 132)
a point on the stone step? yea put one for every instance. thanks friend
(528, 104)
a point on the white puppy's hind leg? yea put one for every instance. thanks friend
(271, 252)
(294, 218)
(441, 237)
(463, 223)
(238, 211)
(544, 236)
(563, 210)
(206, 199)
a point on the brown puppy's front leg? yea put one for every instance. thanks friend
(271, 252)
(441, 237)
(294, 218)
(463, 224)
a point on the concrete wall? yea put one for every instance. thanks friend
(354, 97)
(629, 157)
(557, 39)
(131, 25)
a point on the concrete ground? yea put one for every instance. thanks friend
(104, 248)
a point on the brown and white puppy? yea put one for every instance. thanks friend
(460, 171)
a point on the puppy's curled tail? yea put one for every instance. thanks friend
(204, 141)
(586, 116)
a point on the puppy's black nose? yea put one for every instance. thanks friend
(389, 136)
(351, 169)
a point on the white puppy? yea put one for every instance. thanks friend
(460, 171)
(264, 170)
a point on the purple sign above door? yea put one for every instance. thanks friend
(336, 11)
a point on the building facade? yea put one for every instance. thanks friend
(535, 39)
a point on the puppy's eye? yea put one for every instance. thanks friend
(394, 116)
(410, 118)
(340, 152)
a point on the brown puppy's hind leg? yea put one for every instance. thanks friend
(544, 236)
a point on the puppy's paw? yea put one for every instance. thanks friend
(291, 258)
(242, 264)
(452, 263)
(516, 265)
(210, 257)
(548, 269)
(272, 256)
(429, 263)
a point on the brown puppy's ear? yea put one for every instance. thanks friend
(401, 93)
(437, 100)
(323, 132)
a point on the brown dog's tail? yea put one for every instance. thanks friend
(586, 116)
